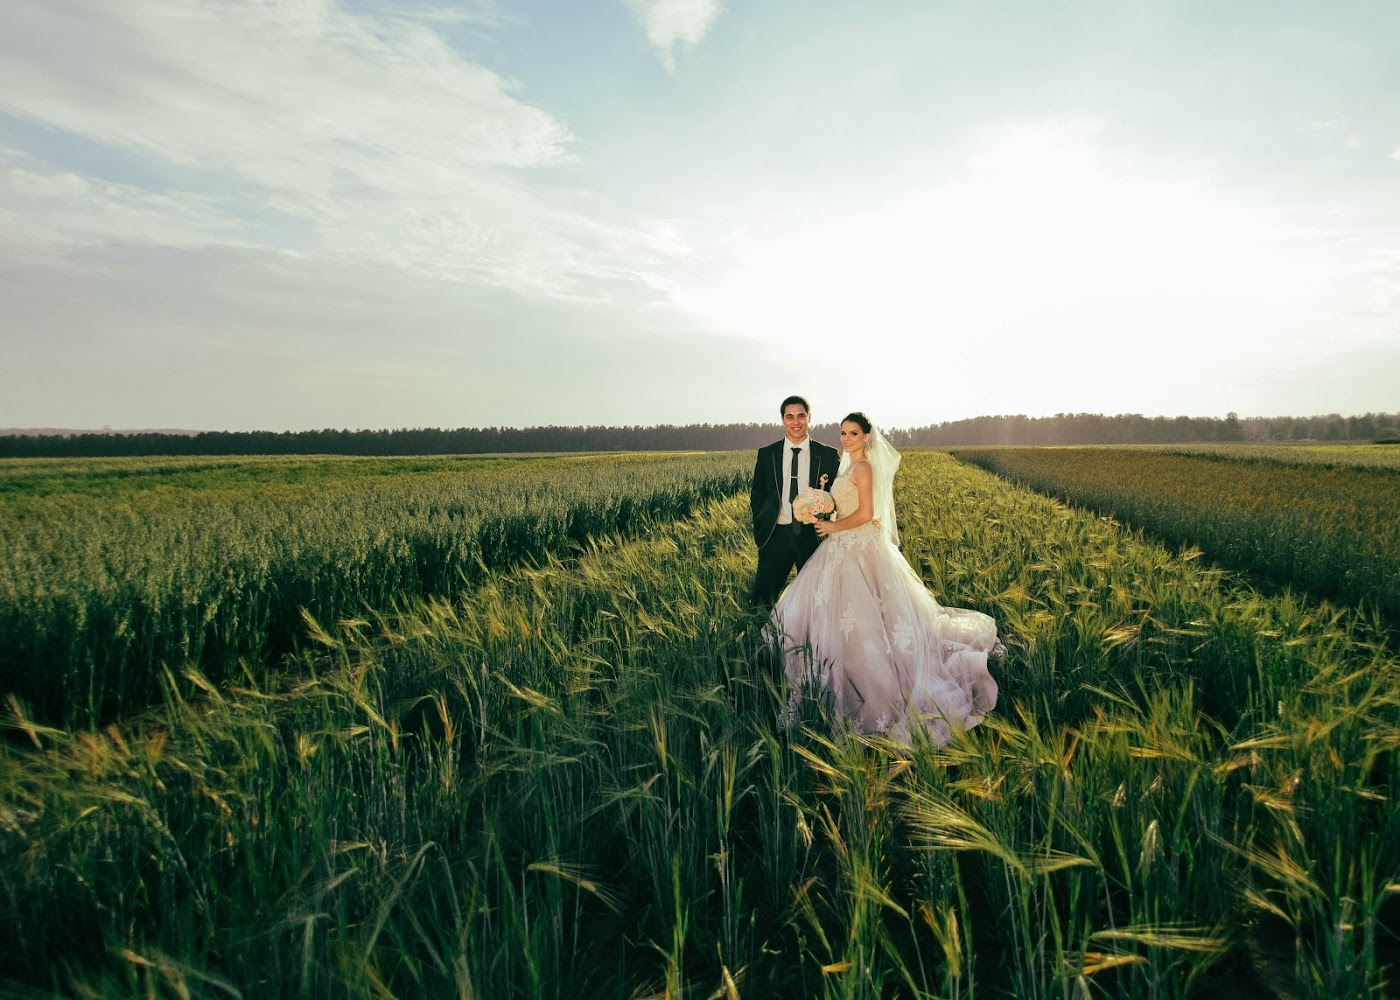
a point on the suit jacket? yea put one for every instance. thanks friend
(770, 479)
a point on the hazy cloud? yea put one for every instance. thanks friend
(669, 23)
(39, 201)
(486, 13)
(230, 338)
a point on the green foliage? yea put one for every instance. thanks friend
(1323, 520)
(113, 571)
(572, 780)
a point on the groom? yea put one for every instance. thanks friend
(782, 470)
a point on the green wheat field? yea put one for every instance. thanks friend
(505, 728)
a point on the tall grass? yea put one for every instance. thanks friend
(573, 780)
(114, 570)
(1331, 530)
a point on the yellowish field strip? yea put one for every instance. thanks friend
(1355, 456)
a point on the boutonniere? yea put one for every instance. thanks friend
(822, 483)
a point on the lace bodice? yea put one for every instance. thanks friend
(845, 495)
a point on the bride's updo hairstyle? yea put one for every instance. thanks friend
(860, 420)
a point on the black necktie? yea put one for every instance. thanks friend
(792, 489)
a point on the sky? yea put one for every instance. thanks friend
(289, 214)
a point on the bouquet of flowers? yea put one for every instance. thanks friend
(812, 505)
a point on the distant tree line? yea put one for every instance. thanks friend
(1061, 429)
(1134, 428)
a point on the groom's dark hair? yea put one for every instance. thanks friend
(794, 399)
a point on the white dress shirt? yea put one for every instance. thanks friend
(804, 468)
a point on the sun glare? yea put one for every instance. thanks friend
(1042, 240)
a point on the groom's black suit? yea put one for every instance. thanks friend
(779, 546)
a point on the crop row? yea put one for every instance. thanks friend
(574, 781)
(1341, 456)
(1332, 531)
(144, 566)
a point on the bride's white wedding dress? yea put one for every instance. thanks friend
(860, 623)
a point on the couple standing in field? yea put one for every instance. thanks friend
(857, 622)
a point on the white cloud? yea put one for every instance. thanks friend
(323, 130)
(669, 23)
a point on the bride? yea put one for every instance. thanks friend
(859, 623)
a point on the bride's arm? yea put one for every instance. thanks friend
(865, 510)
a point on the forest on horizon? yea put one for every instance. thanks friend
(1061, 429)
